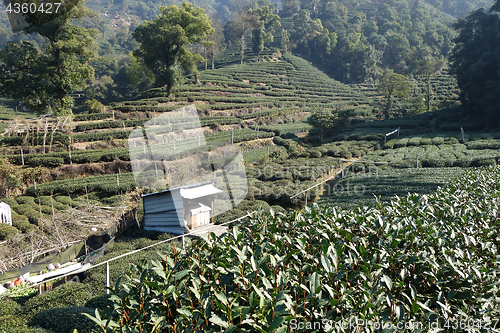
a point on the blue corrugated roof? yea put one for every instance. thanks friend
(176, 188)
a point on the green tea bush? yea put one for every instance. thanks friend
(22, 223)
(400, 143)
(70, 294)
(315, 154)
(425, 141)
(46, 161)
(451, 140)
(100, 302)
(414, 142)
(438, 140)
(25, 200)
(390, 144)
(7, 231)
(484, 162)
(11, 202)
(65, 320)
(332, 259)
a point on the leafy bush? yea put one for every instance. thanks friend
(315, 154)
(70, 294)
(400, 143)
(390, 144)
(414, 142)
(335, 251)
(25, 200)
(46, 161)
(7, 231)
(100, 302)
(65, 320)
(22, 223)
(426, 141)
(438, 140)
(451, 140)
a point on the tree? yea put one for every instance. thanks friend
(139, 75)
(323, 119)
(393, 85)
(42, 79)
(285, 39)
(266, 21)
(476, 62)
(164, 40)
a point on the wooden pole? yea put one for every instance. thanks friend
(463, 136)
(232, 136)
(22, 155)
(417, 161)
(342, 166)
(113, 115)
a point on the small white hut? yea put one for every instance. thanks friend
(5, 213)
(180, 209)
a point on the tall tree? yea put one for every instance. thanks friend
(266, 22)
(476, 62)
(42, 79)
(164, 40)
(393, 85)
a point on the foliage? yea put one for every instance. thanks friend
(70, 294)
(323, 119)
(164, 40)
(65, 320)
(403, 259)
(475, 62)
(94, 106)
(60, 68)
(393, 85)
(7, 231)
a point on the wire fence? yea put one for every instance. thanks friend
(194, 233)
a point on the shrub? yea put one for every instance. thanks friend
(438, 140)
(11, 202)
(25, 200)
(400, 143)
(414, 142)
(315, 154)
(7, 231)
(70, 294)
(65, 320)
(425, 141)
(22, 223)
(94, 106)
(46, 161)
(99, 302)
(390, 144)
(451, 140)
(484, 162)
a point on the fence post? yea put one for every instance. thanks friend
(232, 136)
(113, 115)
(385, 139)
(107, 277)
(417, 161)
(463, 136)
(22, 156)
(342, 165)
(307, 194)
(398, 132)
